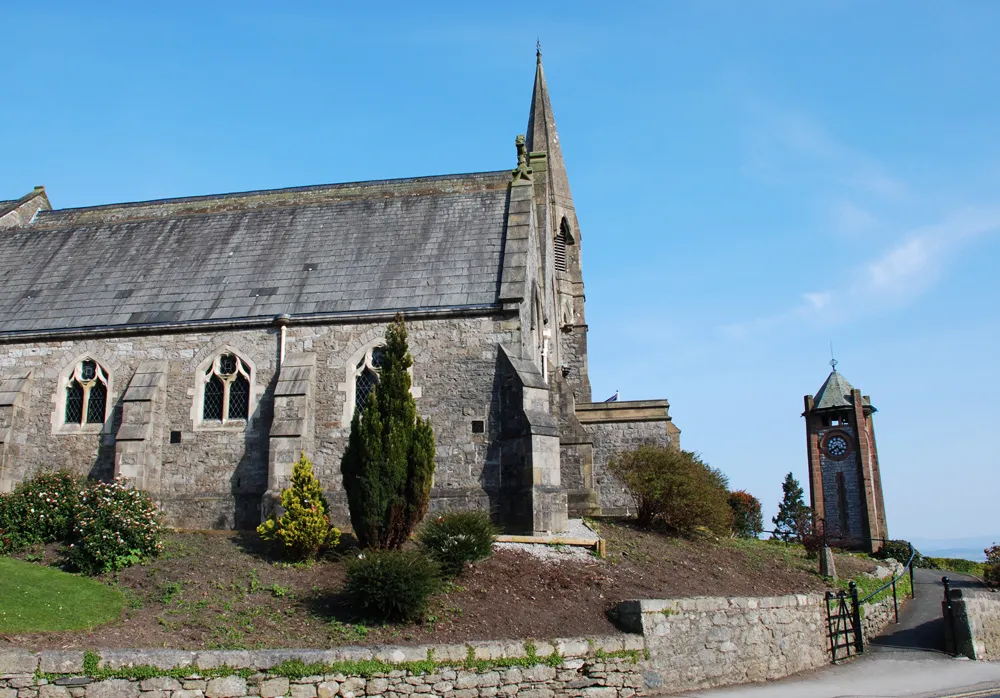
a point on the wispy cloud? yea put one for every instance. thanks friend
(787, 145)
(900, 274)
(858, 196)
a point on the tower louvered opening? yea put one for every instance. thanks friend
(562, 238)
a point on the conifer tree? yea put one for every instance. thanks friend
(304, 528)
(389, 461)
(791, 511)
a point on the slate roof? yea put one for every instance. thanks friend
(835, 392)
(427, 242)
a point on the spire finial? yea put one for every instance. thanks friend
(538, 50)
(833, 361)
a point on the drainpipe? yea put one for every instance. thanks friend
(282, 322)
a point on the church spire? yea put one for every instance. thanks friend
(543, 137)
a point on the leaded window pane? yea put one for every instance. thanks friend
(74, 403)
(239, 398)
(97, 403)
(88, 370)
(213, 399)
(227, 364)
(378, 357)
(364, 384)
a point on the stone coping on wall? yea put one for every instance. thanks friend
(624, 411)
(22, 661)
(629, 613)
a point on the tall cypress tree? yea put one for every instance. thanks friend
(791, 510)
(389, 461)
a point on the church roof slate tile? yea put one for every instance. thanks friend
(387, 245)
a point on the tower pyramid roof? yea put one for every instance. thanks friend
(835, 392)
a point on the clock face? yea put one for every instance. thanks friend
(837, 446)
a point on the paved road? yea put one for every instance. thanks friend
(907, 660)
(921, 625)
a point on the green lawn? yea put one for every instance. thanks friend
(35, 598)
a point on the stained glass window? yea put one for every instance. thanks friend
(239, 398)
(364, 385)
(227, 390)
(97, 403)
(74, 403)
(214, 392)
(227, 364)
(86, 394)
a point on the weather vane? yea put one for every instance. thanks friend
(833, 361)
(538, 46)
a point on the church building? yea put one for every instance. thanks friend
(845, 485)
(197, 345)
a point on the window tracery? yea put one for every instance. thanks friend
(226, 391)
(86, 394)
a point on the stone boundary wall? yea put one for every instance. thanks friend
(876, 616)
(703, 642)
(604, 667)
(977, 623)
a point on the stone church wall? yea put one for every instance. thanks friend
(214, 477)
(622, 426)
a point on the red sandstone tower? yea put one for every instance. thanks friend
(845, 485)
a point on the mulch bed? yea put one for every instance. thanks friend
(211, 590)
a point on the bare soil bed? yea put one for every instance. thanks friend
(212, 590)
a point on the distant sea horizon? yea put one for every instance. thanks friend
(968, 548)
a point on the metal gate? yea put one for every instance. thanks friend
(843, 621)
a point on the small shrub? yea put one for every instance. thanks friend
(304, 528)
(675, 488)
(457, 538)
(115, 526)
(39, 510)
(391, 585)
(898, 550)
(748, 521)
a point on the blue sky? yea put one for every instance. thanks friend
(753, 181)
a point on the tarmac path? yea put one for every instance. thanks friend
(906, 660)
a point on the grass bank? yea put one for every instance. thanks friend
(35, 598)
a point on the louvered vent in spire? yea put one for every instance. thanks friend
(562, 237)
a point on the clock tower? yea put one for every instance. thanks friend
(845, 486)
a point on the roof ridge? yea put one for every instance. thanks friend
(305, 188)
(57, 226)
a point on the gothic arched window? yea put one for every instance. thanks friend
(226, 391)
(86, 394)
(366, 376)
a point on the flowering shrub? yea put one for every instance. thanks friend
(39, 510)
(748, 522)
(115, 526)
(991, 570)
(458, 538)
(304, 528)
